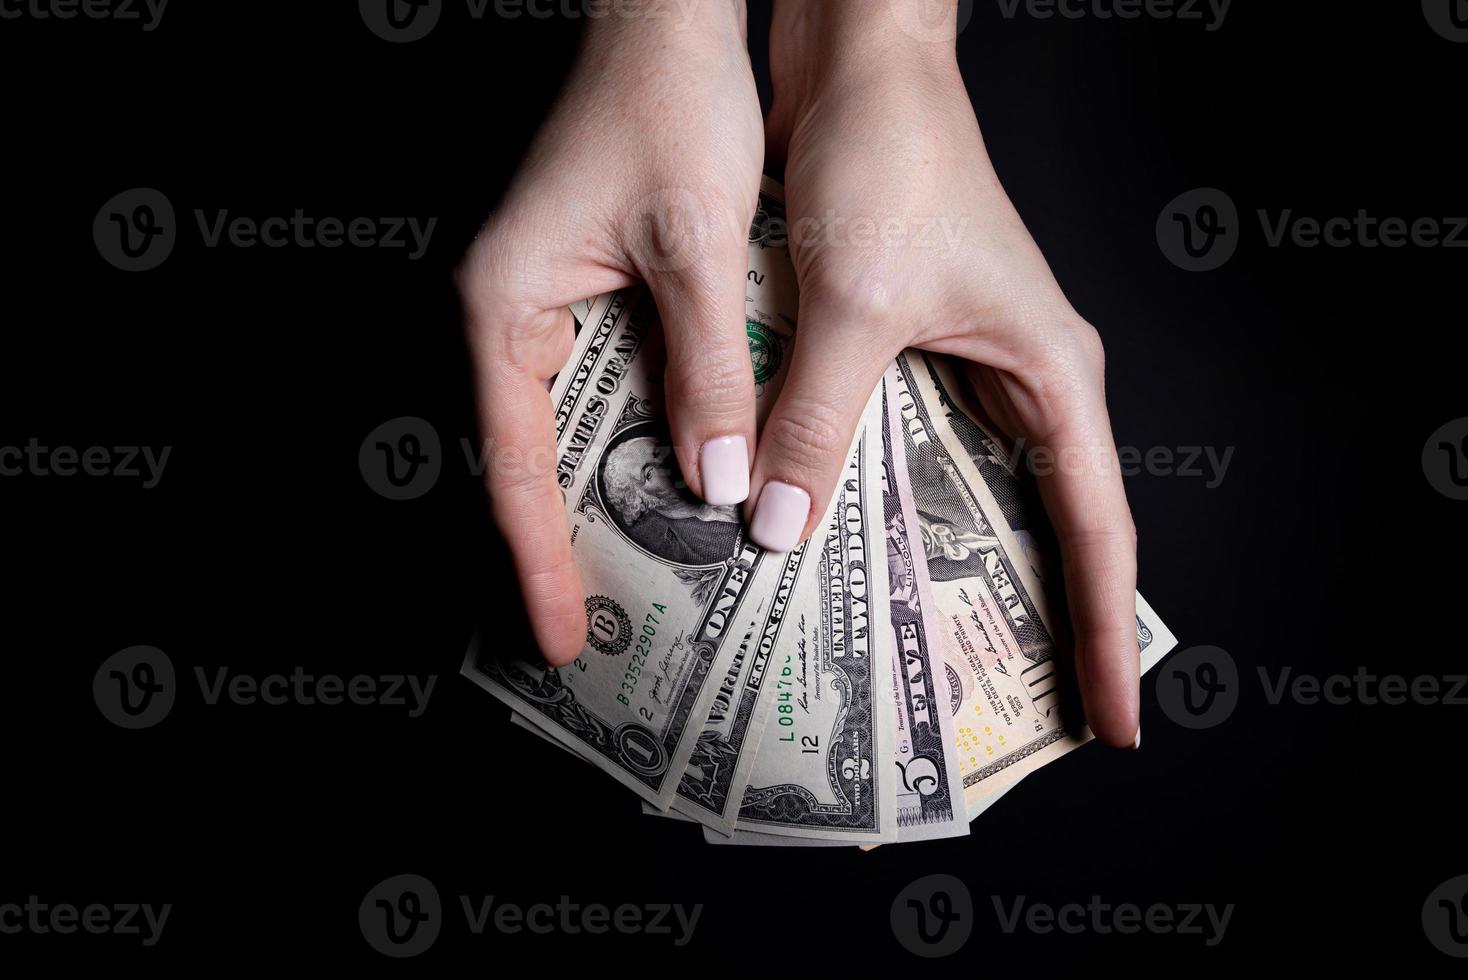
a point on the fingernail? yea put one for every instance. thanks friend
(779, 517)
(723, 465)
(1137, 742)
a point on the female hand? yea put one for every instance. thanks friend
(647, 171)
(903, 237)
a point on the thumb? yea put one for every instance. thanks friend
(805, 441)
(709, 379)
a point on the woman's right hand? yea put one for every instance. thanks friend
(647, 171)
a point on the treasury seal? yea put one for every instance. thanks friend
(764, 350)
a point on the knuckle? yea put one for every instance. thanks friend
(1090, 350)
(712, 380)
(1066, 372)
(859, 299)
(522, 496)
(1074, 347)
(1110, 535)
(676, 232)
(475, 271)
(545, 581)
(807, 437)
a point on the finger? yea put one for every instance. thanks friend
(511, 362)
(1080, 482)
(804, 443)
(709, 378)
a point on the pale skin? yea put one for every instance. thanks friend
(902, 236)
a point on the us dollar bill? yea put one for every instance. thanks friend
(824, 764)
(751, 838)
(1010, 709)
(1023, 514)
(928, 786)
(1016, 708)
(717, 773)
(673, 584)
(723, 757)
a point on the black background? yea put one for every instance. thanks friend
(262, 548)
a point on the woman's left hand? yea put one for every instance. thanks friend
(903, 237)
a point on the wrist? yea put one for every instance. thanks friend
(817, 43)
(670, 21)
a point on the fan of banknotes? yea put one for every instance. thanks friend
(886, 681)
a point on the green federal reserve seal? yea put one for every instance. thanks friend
(764, 350)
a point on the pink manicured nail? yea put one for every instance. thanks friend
(1137, 743)
(779, 517)
(723, 465)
